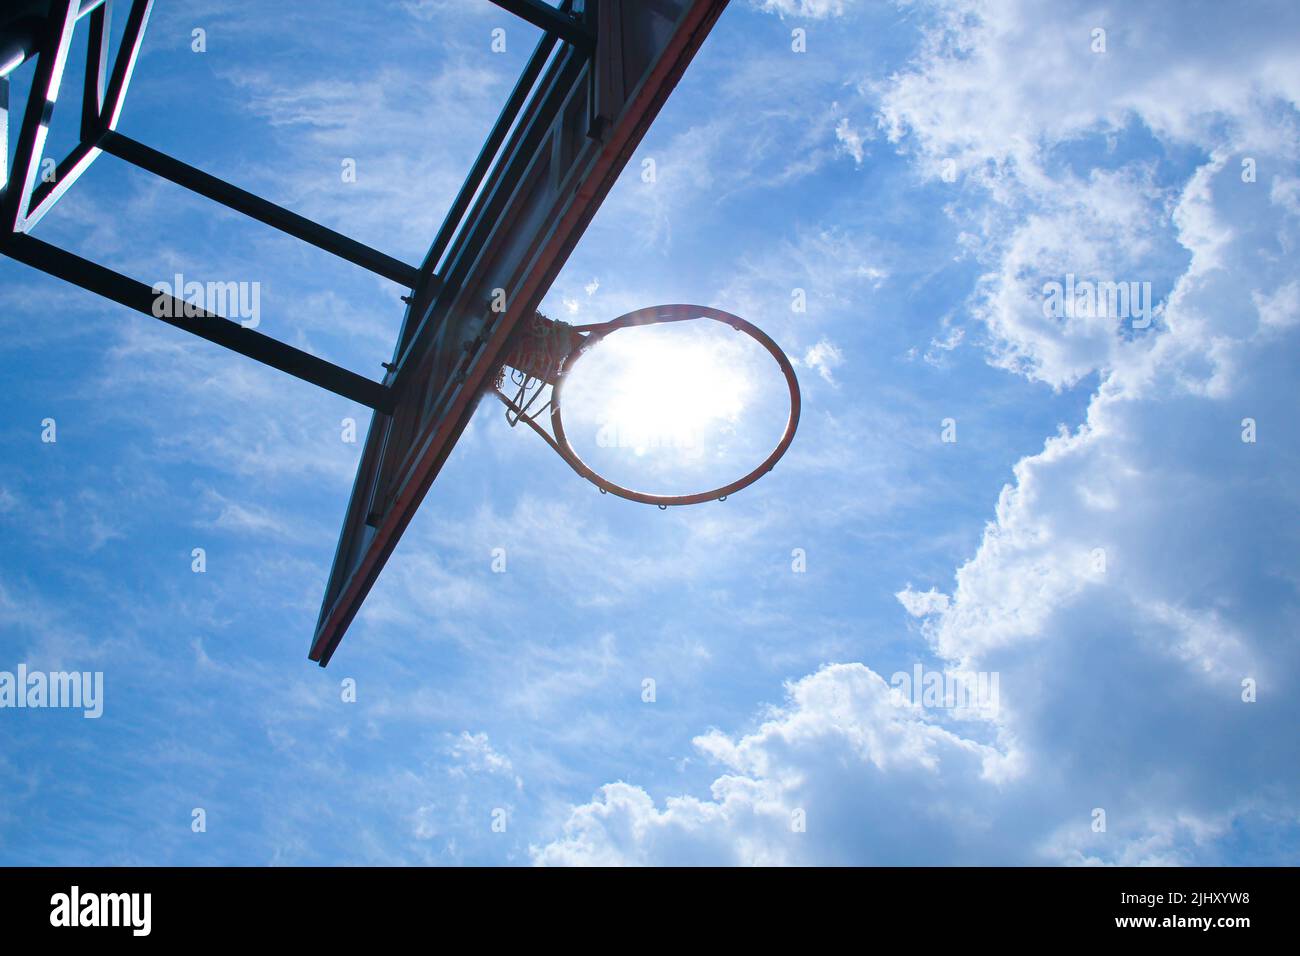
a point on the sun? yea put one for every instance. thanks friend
(654, 390)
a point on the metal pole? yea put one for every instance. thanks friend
(300, 227)
(215, 328)
(549, 19)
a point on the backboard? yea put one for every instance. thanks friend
(585, 99)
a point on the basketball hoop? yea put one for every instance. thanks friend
(544, 352)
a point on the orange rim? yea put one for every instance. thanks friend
(655, 315)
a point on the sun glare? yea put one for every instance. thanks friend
(654, 390)
(675, 408)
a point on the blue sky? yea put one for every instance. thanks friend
(1120, 689)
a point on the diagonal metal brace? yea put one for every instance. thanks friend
(300, 227)
(207, 325)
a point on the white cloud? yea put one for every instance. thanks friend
(1009, 99)
(814, 9)
(939, 347)
(999, 79)
(922, 603)
(1281, 308)
(841, 743)
(246, 518)
(474, 753)
(850, 140)
(825, 358)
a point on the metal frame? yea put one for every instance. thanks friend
(542, 173)
(558, 159)
(24, 201)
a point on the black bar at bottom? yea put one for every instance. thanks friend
(931, 909)
(215, 328)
